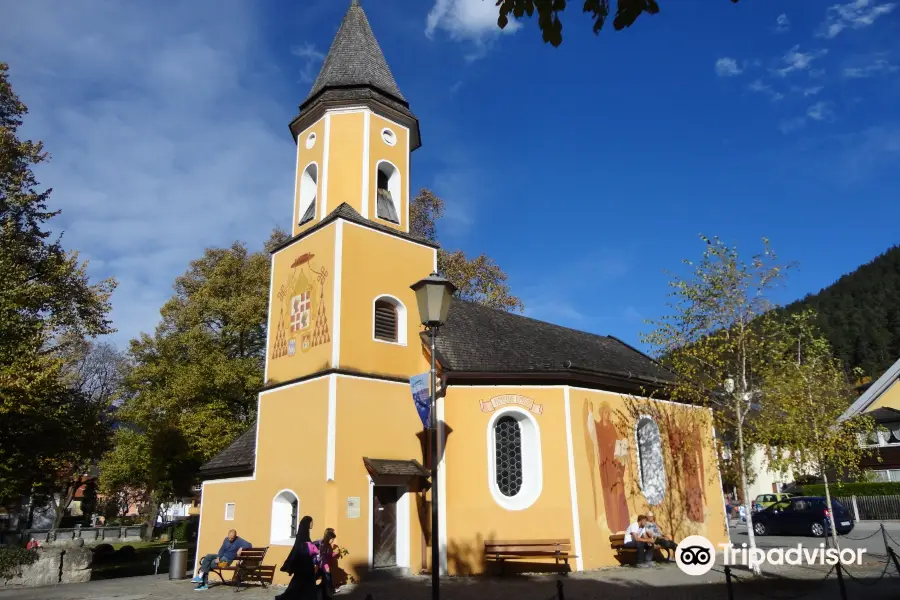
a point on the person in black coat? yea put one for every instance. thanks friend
(299, 565)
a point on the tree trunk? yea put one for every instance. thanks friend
(751, 537)
(830, 507)
(59, 508)
(151, 520)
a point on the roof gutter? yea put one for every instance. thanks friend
(568, 377)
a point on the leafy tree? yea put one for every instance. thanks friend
(193, 384)
(548, 11)
(45, 295)
(479, 279)
(718, 336)
(807, 392)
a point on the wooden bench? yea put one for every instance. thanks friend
(560, 550)
(248, 568)
(629, 555)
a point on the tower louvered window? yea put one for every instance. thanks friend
(295, 511)
(508, 455)
(385, 321)
(310, 213)
(384, 200)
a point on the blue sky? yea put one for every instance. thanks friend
(585, 171)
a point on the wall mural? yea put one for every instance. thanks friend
(688, 442)
(302, 318)
(511, 399)
(609, 457)
(651, 461)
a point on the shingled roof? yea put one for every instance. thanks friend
(478, 339)
(355, 60)
(498, 344)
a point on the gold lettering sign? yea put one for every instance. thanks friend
(514, 399)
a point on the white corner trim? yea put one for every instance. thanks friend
(289, 386)
(719, 473)
(332, 427)
(325, 156)
(408, 199)
(367, 123)
(371, 519)
(402, 319)
(532, 460)
(435, 254)
(403, 528)
(296, 194)
(336, 297)
(269, 320)
(573, 489)
(442, 487)
(199, 530)
(348, 110)
(256, 446)
(228, 480)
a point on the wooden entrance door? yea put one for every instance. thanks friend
(384, 527)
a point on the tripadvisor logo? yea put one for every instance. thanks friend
(696, 555)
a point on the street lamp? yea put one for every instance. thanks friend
(433, 297)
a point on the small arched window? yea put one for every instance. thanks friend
(514, 454)
(285, 511)
(652, 468)
(308, 190)
(389, 320)
(387, 194)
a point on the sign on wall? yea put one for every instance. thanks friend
(353, 507)
(511, 399)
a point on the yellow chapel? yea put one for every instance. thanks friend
(544, 431)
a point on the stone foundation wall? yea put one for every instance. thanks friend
(60, 563)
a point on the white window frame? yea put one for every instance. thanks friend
(401, 319)
(280, 530)
(303, 197)
(640, 467)
(532, 460)
(233, 510)
(394, 186)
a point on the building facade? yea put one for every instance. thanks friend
(544, 431)
(881, 401)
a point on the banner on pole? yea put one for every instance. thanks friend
(421, 394)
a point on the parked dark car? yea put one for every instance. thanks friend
(802, 515)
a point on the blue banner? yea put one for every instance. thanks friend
(421, 393)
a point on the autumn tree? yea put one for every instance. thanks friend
(45, 296)
(479, 279)
(807, 392)
(717, 338)
(193, 384)
(549, 11)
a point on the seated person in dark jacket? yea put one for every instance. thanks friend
(659, 538)
(230, 550)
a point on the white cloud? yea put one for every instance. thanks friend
(468, 20)
(795, 60)
(312, 61)
(879, 67)
(853, 15)
(792, 125)
(782, 24)
(164, 136)
(820, 111)
(812, 91)
(727, 67)
(760, 87)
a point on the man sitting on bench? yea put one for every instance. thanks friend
(230, 550)
(659, 538)
(636, 537)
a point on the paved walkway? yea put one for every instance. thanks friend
(618, 583)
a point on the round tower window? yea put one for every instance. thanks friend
(389, 137)
(311, 141)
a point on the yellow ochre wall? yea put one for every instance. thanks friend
(374, 264)
(397, 155)
(305, 156)
(890, 398)
(307, 264)
(345, 159)
(291, 454)
(473, 515)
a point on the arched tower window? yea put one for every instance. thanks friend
(652, 468)
(308, 188)
(387, 194)
(285, 511)
(514, 459)
(389, 320)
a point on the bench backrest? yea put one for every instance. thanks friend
(252, 556)
(560, 545)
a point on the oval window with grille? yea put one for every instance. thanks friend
(508, 456)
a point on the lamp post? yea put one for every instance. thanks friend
(433, 298)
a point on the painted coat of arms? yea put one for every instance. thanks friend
(302, 319)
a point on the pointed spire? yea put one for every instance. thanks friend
(355, 59)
